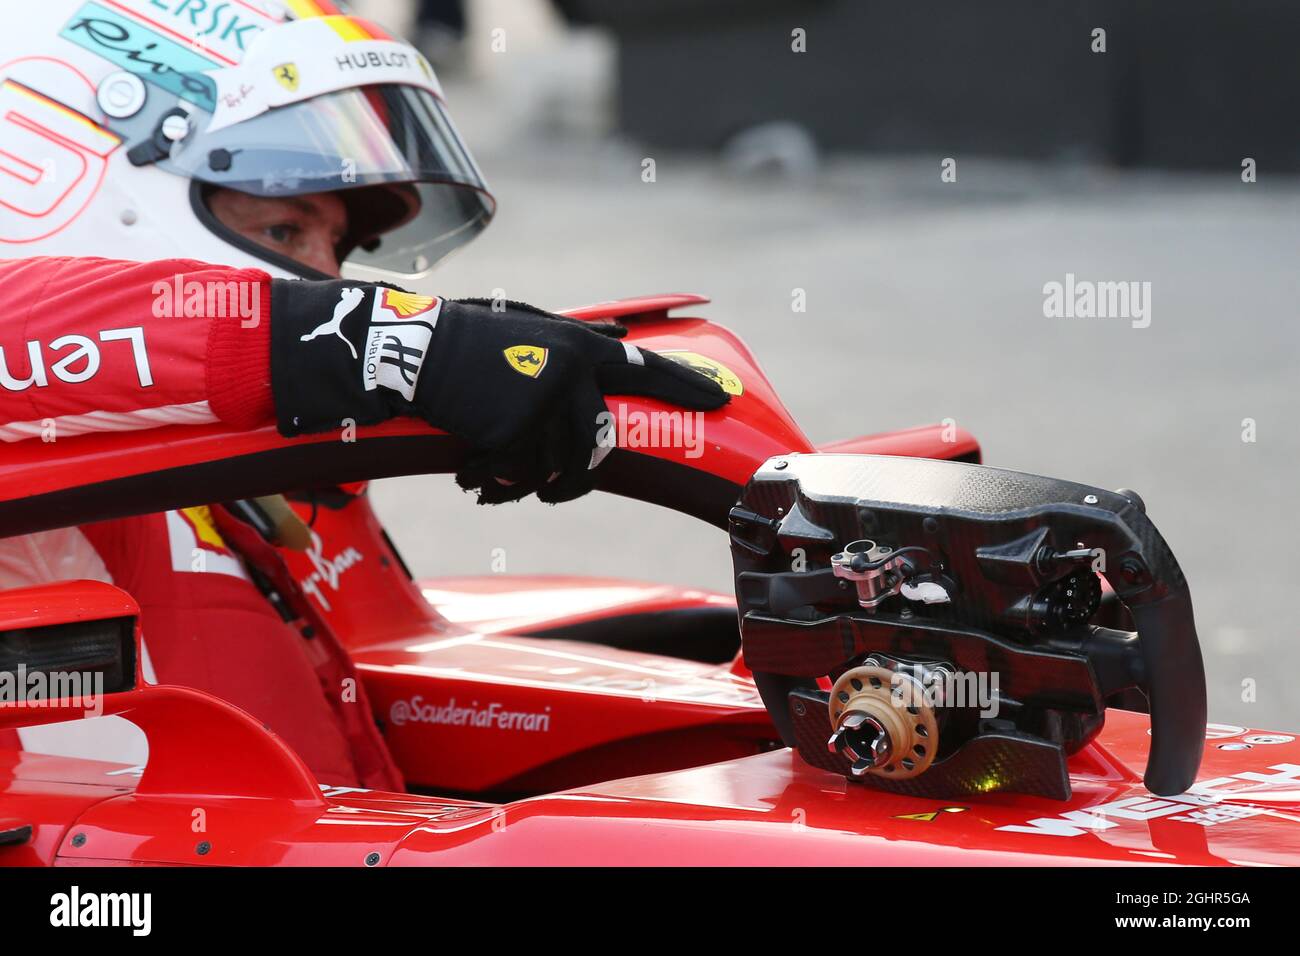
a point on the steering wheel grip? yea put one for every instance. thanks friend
(1174, 681)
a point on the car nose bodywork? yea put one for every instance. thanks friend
(769, 809)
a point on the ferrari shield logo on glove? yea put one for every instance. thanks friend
(527, 359)
(287, 76)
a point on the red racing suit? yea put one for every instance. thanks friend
(100, 345)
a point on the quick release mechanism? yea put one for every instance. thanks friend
(880, 571)
(877, 570)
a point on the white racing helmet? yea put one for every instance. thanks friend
(120, 118)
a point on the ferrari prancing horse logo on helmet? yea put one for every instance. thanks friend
(287, 75)
(527, 359)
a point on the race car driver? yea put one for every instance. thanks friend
(323, 148)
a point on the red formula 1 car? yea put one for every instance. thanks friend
(925, 661)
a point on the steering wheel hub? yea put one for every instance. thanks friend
(883, 722)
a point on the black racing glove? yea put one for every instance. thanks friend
(522, 387)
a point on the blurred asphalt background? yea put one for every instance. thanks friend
(924, 302)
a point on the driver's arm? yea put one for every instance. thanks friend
(92, 345)
(100, 345)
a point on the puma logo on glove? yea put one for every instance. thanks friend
(349, 299)
(472, 371)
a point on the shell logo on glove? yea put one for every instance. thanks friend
(404, 305)
(527, 359)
